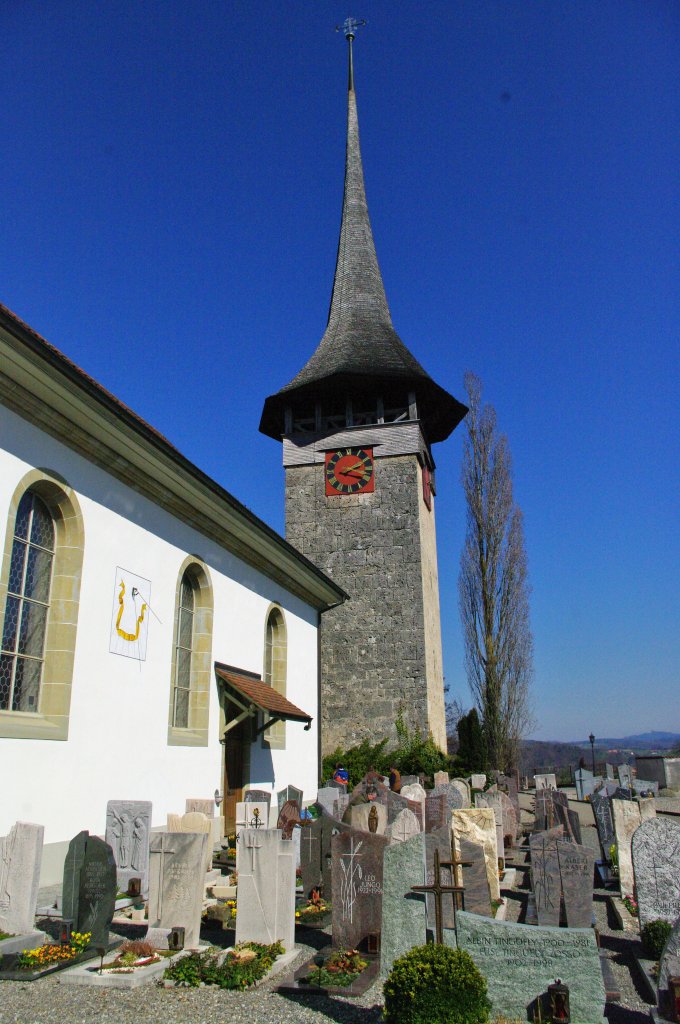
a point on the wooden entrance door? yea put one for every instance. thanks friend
(236, 764)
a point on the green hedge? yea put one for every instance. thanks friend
(435, 985)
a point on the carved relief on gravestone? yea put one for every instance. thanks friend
(20, 859)
(128, 824)
(367, 817)
(655, 851)
(357, 886)
(545, 878)
(603, 820)
(89, 887)
(404, 827)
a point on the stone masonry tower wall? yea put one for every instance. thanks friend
(381, 650)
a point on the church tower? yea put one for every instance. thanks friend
(357, 425)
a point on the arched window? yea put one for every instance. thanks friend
(27, 606)
(191, 656)
(274, 673)
(39, 603)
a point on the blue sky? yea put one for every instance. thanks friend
(170, 195)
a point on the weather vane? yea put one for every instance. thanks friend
(350, 26)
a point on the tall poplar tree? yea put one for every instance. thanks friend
(493, 587)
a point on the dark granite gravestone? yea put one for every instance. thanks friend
(403, 911)
(315, 854)
(621, 793)
(603, 820)
(571, 822)
(357, 886)
(257, 796)
(289, 793)
(577, 864)
(90, 887)
(656, 864)
(436, 811)
(545, 878)
(519, 961)
(289, 817)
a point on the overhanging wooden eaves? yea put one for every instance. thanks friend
(249, 694)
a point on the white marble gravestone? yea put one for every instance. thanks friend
(404, 827)
(177, 882)
(414, 792)
(463, 788)
(493, 800)
(478, 781)
(265, 903)
(626, 819)
(195, 821)
(359, 816)
(128, 823)
(548, 781)
(250, 815)
(655, 851)
(20, 859)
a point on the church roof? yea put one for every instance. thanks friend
(360, 346)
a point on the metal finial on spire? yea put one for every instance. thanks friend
(349, 27)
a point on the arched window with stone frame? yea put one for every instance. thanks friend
(275, 669)
(191, 656)
(39, 598)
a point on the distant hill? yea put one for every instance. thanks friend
(641, 741)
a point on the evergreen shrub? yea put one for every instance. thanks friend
(435, 985)
(654, 936)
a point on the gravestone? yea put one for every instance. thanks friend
(655, 851)
(669, 967)
(439, 841)
(441, 778)
(463, 788)
(289, 793)
(436, 811)
(177, 882)
(289, 817)
(621, 793)
(477, 781)
(414, 792)
(20, 859)
(570, 820)
(405, 826)
(257, 796)
(128, 823)
(478, 825)
(201, 805)
(265, 903)
(409, 780)
(473, 875)
(609, 768)
(357, 877)
(519, 961)
(367, 817)
(548, 781)
(326, 797)
(545, 878)
(584, 781)
(194, 821)
(403, 923)
(509, 820)
(643, 788)
(647, 807)
(90, 887)
(510, 785)
(249, 815)
(603, 821)
(626, 817)
(625, 773)
(492, 799)
(315, 854)
(577, 864)
(454, 797)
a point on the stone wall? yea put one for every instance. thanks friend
(373, 647)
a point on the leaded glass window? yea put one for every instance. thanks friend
(183, 652)
(27, 606)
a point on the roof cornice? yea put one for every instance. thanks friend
(45, 387)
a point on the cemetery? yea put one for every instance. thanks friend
(555, 904)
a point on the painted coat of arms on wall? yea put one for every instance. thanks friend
(130, 615)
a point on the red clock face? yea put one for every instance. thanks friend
(350, 471)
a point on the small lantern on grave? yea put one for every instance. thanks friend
(674, 998)
(65, 932)
(134, 887)
(558, 994)
(176, 939)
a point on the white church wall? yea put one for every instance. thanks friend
(117, 745)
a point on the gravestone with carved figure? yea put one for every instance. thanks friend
(128, 824)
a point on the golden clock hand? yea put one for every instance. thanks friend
(362, 474)
(356, 465)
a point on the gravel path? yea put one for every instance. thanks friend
(49, 1002)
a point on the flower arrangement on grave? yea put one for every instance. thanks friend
(614, 859)
(134, 955)
(435, 985)
(313, 910)
(338, 970)
(630, 903)
(50, 953)
(231, 905)
(236, 969)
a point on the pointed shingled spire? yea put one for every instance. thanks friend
(360, 347)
